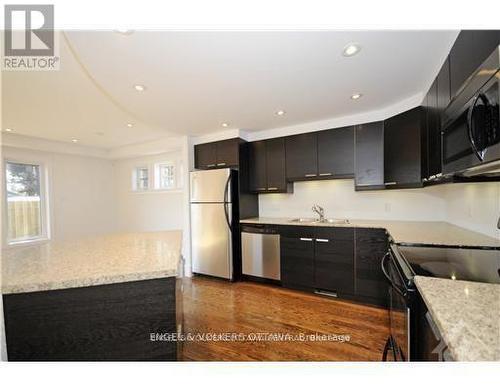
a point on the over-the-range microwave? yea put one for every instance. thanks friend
(471, 132)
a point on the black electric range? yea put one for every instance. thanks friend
(413, 336)
(478, 265)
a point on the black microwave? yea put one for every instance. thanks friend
(471, 123)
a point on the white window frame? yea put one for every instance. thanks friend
(44, 203)
(135, 178)
(157, 178)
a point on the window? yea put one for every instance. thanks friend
(164, 176)
(141, 179)
(26, 217)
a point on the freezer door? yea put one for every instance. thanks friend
(211, 240)
(210, 185)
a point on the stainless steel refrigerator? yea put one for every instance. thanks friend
(212, 213)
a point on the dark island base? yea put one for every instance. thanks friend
(99, 323)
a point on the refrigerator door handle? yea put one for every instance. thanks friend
(226, 214)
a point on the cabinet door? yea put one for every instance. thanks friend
(369, 155)
(443, 87)
(257, 166)
(301, 156)
(228, 153)
(403, 150)
(334, 260)
(371, 246)
(336, 153)
(470, 49)
(205, 156)
(433, 131)
(297, 262)
(275, 157)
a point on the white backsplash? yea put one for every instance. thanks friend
(473, 206)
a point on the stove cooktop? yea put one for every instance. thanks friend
(454, 263)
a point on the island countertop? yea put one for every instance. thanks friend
(91, 261)
(403, 232)
(467, 315)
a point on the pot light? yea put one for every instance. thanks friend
(280, 112)
(139, 87)
(356, 96)
(124, 31)
(8, 129)
(129, 125)
(225, 124)
(74, 140)
(351, 50)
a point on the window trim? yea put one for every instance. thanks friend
(157, 176)
(45, 219)
(135, 178)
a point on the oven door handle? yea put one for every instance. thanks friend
(382, 266)
(470, 116)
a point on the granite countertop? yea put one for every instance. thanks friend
(467, 315)
(403, 232)
(91, 261)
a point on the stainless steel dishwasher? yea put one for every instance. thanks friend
(260, 246)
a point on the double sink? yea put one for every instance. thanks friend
(319, 221)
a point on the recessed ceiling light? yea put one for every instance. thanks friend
(351, 49)
(225, 124)
(280, 112)
(124, 31)
(8, 129)
(139, 87)
(74, 140)
(129, 125)
(356, 96)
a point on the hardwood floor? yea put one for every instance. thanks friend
(214, 306)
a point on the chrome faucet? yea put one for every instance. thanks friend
(320, 211)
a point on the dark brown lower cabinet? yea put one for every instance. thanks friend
(341, 261)
(371, 284)
(99, 323)
(297, 262)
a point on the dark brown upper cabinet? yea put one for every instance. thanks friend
(470, 49)
(369, 156)
(336, 153)
(266, 161)
(218, 154)
(301, 157)
(405, 149)
(433, 132)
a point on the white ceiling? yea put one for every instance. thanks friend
(197, 80)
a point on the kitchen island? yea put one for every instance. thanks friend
(109, 297)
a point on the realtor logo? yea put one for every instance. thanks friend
(29, 38)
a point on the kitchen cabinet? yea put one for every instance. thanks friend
(405, 149)
(433, 132)
(470, 49)
(301, 156)
(369, 156)
(336, 153)
(334, 260)
(371, 245)
(267, 166)
(218, 154)
(297, 262)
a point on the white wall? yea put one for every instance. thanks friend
(475, 206)
(341, 201)
(150, 210)
(80, 192)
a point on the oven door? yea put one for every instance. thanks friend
(399, 310)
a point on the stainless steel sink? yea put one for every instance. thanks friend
(318, 221)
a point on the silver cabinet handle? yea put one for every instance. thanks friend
(322, 240)
(390, 183)
(210, 165)
(260, 188)
(310, 175)
(221, 164)
(272, 188)
(306, 239)
(363, 184)
(325, 174)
